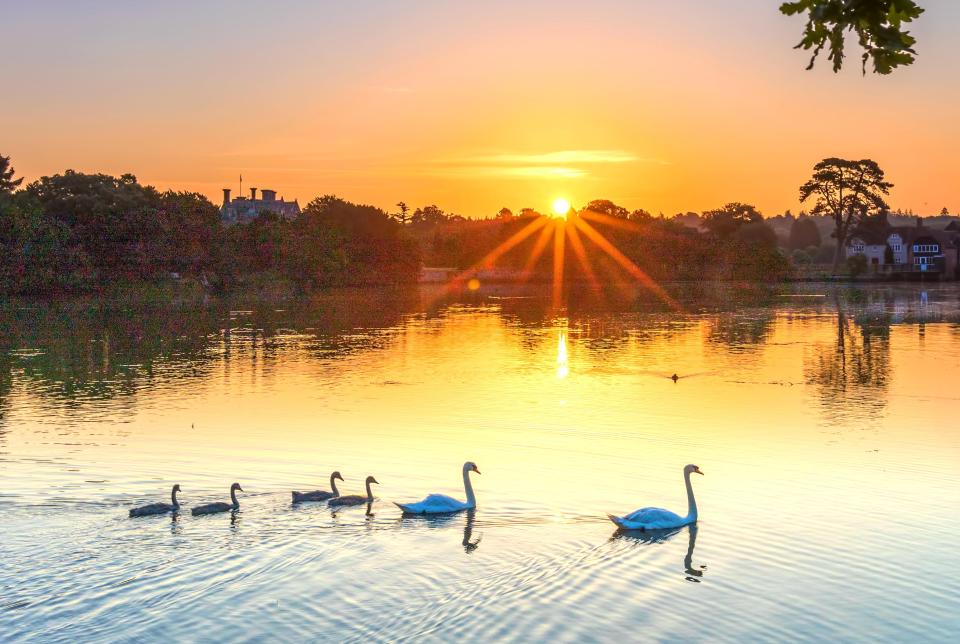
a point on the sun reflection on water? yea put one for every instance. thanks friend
(563, 366)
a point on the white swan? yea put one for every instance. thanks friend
(211, 508)
(319, 495)
(441, 503)
(158, 508)
(658, 518)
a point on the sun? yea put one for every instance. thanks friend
(560, 208)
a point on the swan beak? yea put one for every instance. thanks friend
(240, 488)
(699, 472)
(476, 470)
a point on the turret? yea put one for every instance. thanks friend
(253, 194)
(226, 196)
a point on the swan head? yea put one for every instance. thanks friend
(336, 475)
(236, 486)
(370, 480)
(692, 469)
(470, 466)
(176, 488)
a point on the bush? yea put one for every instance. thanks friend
(856, 265)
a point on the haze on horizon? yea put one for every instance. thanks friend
(667, 108)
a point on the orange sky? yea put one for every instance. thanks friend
(512, 104)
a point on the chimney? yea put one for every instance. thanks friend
(269, 195)
(226, 196)
(253, 194)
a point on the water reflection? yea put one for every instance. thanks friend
(98, 404)
(468, 545)
(443, 522)
(648, 537)
(854, 371)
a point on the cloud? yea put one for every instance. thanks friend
(559, 164)
(559, 157)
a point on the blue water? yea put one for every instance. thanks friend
(824, 420)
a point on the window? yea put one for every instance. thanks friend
(924, 261)
(858, 246)
(896, 247)
(926, 248)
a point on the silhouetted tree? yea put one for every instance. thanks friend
(879, 25)
(607, 207)
(724, 222)
(944, 212)
(7, 183)
(804, 234)
(504, 213)
(847, 191)
(428, 216)
(403, 213)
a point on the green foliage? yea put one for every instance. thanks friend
(856, 265)
(359, 244)
(76, 231)
(879, 25)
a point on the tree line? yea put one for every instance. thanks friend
(75, 232)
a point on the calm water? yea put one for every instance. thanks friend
(825, 421)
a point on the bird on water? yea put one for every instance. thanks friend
(158, 508)
(212, 508)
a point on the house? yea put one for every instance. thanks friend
(908, 249)
(242, 209)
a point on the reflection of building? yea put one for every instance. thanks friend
(242, 209)
(908, 249)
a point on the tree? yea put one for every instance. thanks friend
(757, 233)
(846, 191)
(944, 212)
(7, 183)
(804, 234)
(724, 222)
(879, 25)
(504, 213)
(403, 215)
(428, 216)
(607, 207)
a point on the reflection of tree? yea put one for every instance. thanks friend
(6, 382)
(87, 350)
(744, 331)
(851, 376)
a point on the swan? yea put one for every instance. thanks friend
(356, 499)
(319, 495)
(658, 518)
(441, 503)
(212, 508)
(158, 508)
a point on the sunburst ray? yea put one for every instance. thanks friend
(638, 273)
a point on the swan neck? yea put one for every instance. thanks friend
(233, 497)
(468, 488)
(691, 502)
(173, 498)
(333, 486)
(369, 493)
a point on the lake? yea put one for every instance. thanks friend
(823, 417)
